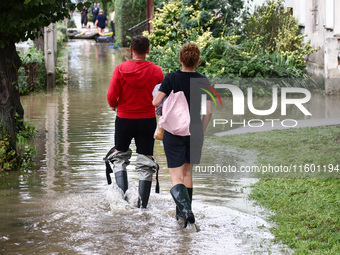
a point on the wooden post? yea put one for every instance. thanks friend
(50, 54)
(150, 13)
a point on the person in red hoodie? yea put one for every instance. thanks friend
(130, 94)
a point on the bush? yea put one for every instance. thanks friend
(32, 74)
(61, 36)
(23, 158)
(178, 20)
(278, 32)
(60, 76)
(71, 24)
(260, 55)
(221, 57)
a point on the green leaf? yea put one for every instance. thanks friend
(80, 6)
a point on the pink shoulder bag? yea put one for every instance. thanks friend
(175, 114)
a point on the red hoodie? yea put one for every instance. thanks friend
(131, 89)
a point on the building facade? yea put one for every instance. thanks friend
(320, 20)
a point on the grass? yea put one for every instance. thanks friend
(306, 210)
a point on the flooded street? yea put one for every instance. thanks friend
(65, 206)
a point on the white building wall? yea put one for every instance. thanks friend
(319, 20)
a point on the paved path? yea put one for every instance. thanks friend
(268, 126)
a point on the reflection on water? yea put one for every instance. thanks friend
(66, 207)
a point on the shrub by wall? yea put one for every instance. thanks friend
(233, 56)
(32, 74)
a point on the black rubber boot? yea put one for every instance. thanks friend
(121, 180)
(190, 194)
(144, 189)
(178, 213)
(181, 197)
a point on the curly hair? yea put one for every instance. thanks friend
(190, 55)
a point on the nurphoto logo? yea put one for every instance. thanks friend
(288, 97)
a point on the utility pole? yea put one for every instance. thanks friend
(50, 48)
(150, 13)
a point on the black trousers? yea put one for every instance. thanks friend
(84, 20)
(142, 130)
(94, 19)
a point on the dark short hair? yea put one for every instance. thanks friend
(140, 44)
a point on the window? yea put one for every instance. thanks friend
(302, 12)
(329, 14)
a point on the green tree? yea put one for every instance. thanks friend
(228, 15)
(107, 5)
(178, 20)
(128, 14)
(21, 20)
(277, 31)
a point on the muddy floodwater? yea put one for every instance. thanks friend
(64, 206)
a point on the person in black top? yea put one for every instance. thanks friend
(101, 22)
(94, 12)
(184, 151)
(84, 16)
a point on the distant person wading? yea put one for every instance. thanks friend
(101, 22)
(84, 16)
